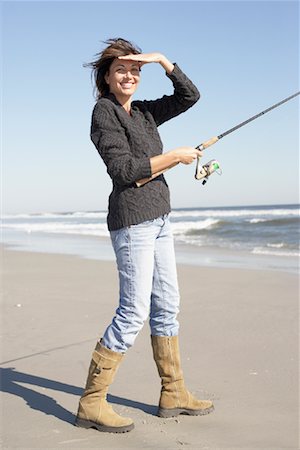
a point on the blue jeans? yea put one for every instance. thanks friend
(147, 281)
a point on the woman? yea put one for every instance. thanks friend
(125, 135)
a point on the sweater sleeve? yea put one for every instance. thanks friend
(184, 96)
(110, 140)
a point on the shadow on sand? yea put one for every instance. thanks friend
(11, 382)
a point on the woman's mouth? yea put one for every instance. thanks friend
(126, 85)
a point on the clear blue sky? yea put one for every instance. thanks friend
(243, 56)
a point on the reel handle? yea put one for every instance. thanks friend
(207, 169)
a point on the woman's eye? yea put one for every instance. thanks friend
(134, 72)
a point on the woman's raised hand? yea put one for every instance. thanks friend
(146, 58)
(143, 58)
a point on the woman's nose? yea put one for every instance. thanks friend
(128, 74)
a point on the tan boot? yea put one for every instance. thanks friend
(175, 399)
(93, 410)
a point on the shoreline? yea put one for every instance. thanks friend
(239, 346)
(100, 248)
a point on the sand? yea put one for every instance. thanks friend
(239, 346)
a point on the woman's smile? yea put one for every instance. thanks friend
(127, 85)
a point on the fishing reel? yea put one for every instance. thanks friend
(203, 172)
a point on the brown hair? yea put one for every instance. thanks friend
(115, 47)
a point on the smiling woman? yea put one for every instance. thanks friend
(126, 136)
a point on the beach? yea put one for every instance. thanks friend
(239, 346)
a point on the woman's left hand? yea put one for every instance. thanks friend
(146, 58)
(143, 58)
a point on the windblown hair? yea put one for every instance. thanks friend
(115, 47)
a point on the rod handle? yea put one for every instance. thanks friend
(208, 143)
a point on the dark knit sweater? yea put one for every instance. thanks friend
(127, 142)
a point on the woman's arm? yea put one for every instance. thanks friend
(161, 163)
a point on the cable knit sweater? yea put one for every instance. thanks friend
(127, 142)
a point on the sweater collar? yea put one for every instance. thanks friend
(113, 98)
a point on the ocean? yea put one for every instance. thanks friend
(226, 236)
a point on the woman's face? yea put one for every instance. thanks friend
(123, 77)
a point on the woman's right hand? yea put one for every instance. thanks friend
(186, 155)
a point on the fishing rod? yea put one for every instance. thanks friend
(213, 166)
(199, 173)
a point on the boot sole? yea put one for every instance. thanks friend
(174, 412)
(104, 428)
